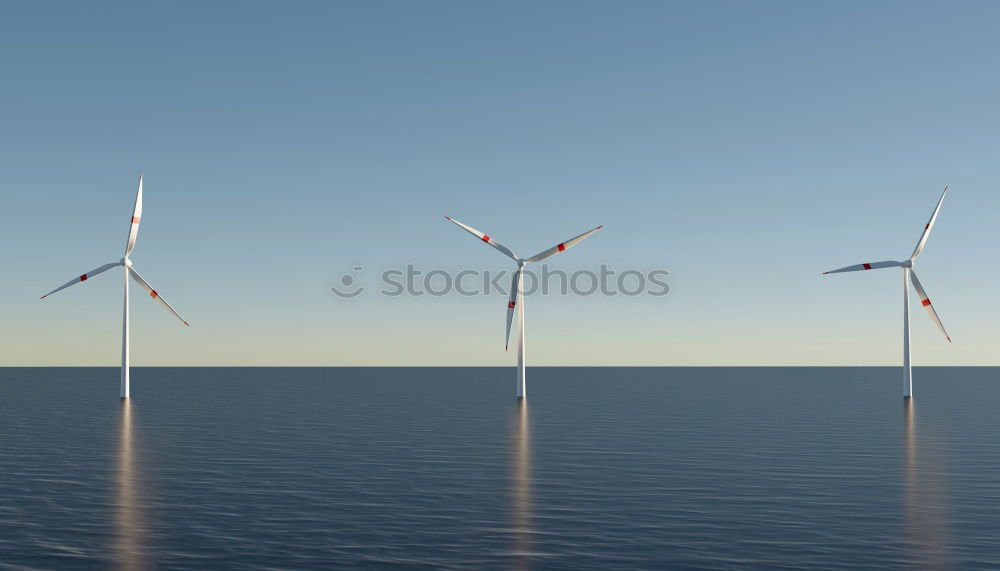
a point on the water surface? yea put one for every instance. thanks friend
(687, 468)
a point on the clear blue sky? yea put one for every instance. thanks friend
(744, 146)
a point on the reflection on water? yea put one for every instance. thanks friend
(129, 545)
(520, 487)
(924, 500)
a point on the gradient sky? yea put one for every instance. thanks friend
(744, 146)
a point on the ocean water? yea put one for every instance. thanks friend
(441, 468)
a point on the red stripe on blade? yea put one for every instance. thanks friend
(510, 305)
(561, 247)
(867, 266)
(926, 302)
(153, 294)
(135, 220)
(83, 278)
(486, 238)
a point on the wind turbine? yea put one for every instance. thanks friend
(909, 276)
(516, 301)
(125, 262)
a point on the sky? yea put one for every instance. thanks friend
(745, 147)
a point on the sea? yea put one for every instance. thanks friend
(442, 468)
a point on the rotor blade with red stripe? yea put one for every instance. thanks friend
(515, 288)
(560, 247)
(486, 239)
(926, 302)
(154, 294)
(83, 277)
(868, 266)
(133, 229)
(928, 227)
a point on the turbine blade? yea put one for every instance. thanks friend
(154, 294)
(515, 287)
(83, 278)
(927, 304)
(560, 247)
(486, 239)
(133, 229)
(868, 266)
(928, 227)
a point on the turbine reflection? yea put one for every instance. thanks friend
(129, 544)
(924, 501)
(520, 487)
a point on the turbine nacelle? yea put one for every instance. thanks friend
(126, 262)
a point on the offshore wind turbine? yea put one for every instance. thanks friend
(126, 263)
(909, 276)
(516, 301)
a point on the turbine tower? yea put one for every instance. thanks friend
(516, 301)
(909, 276)
(126, 263)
